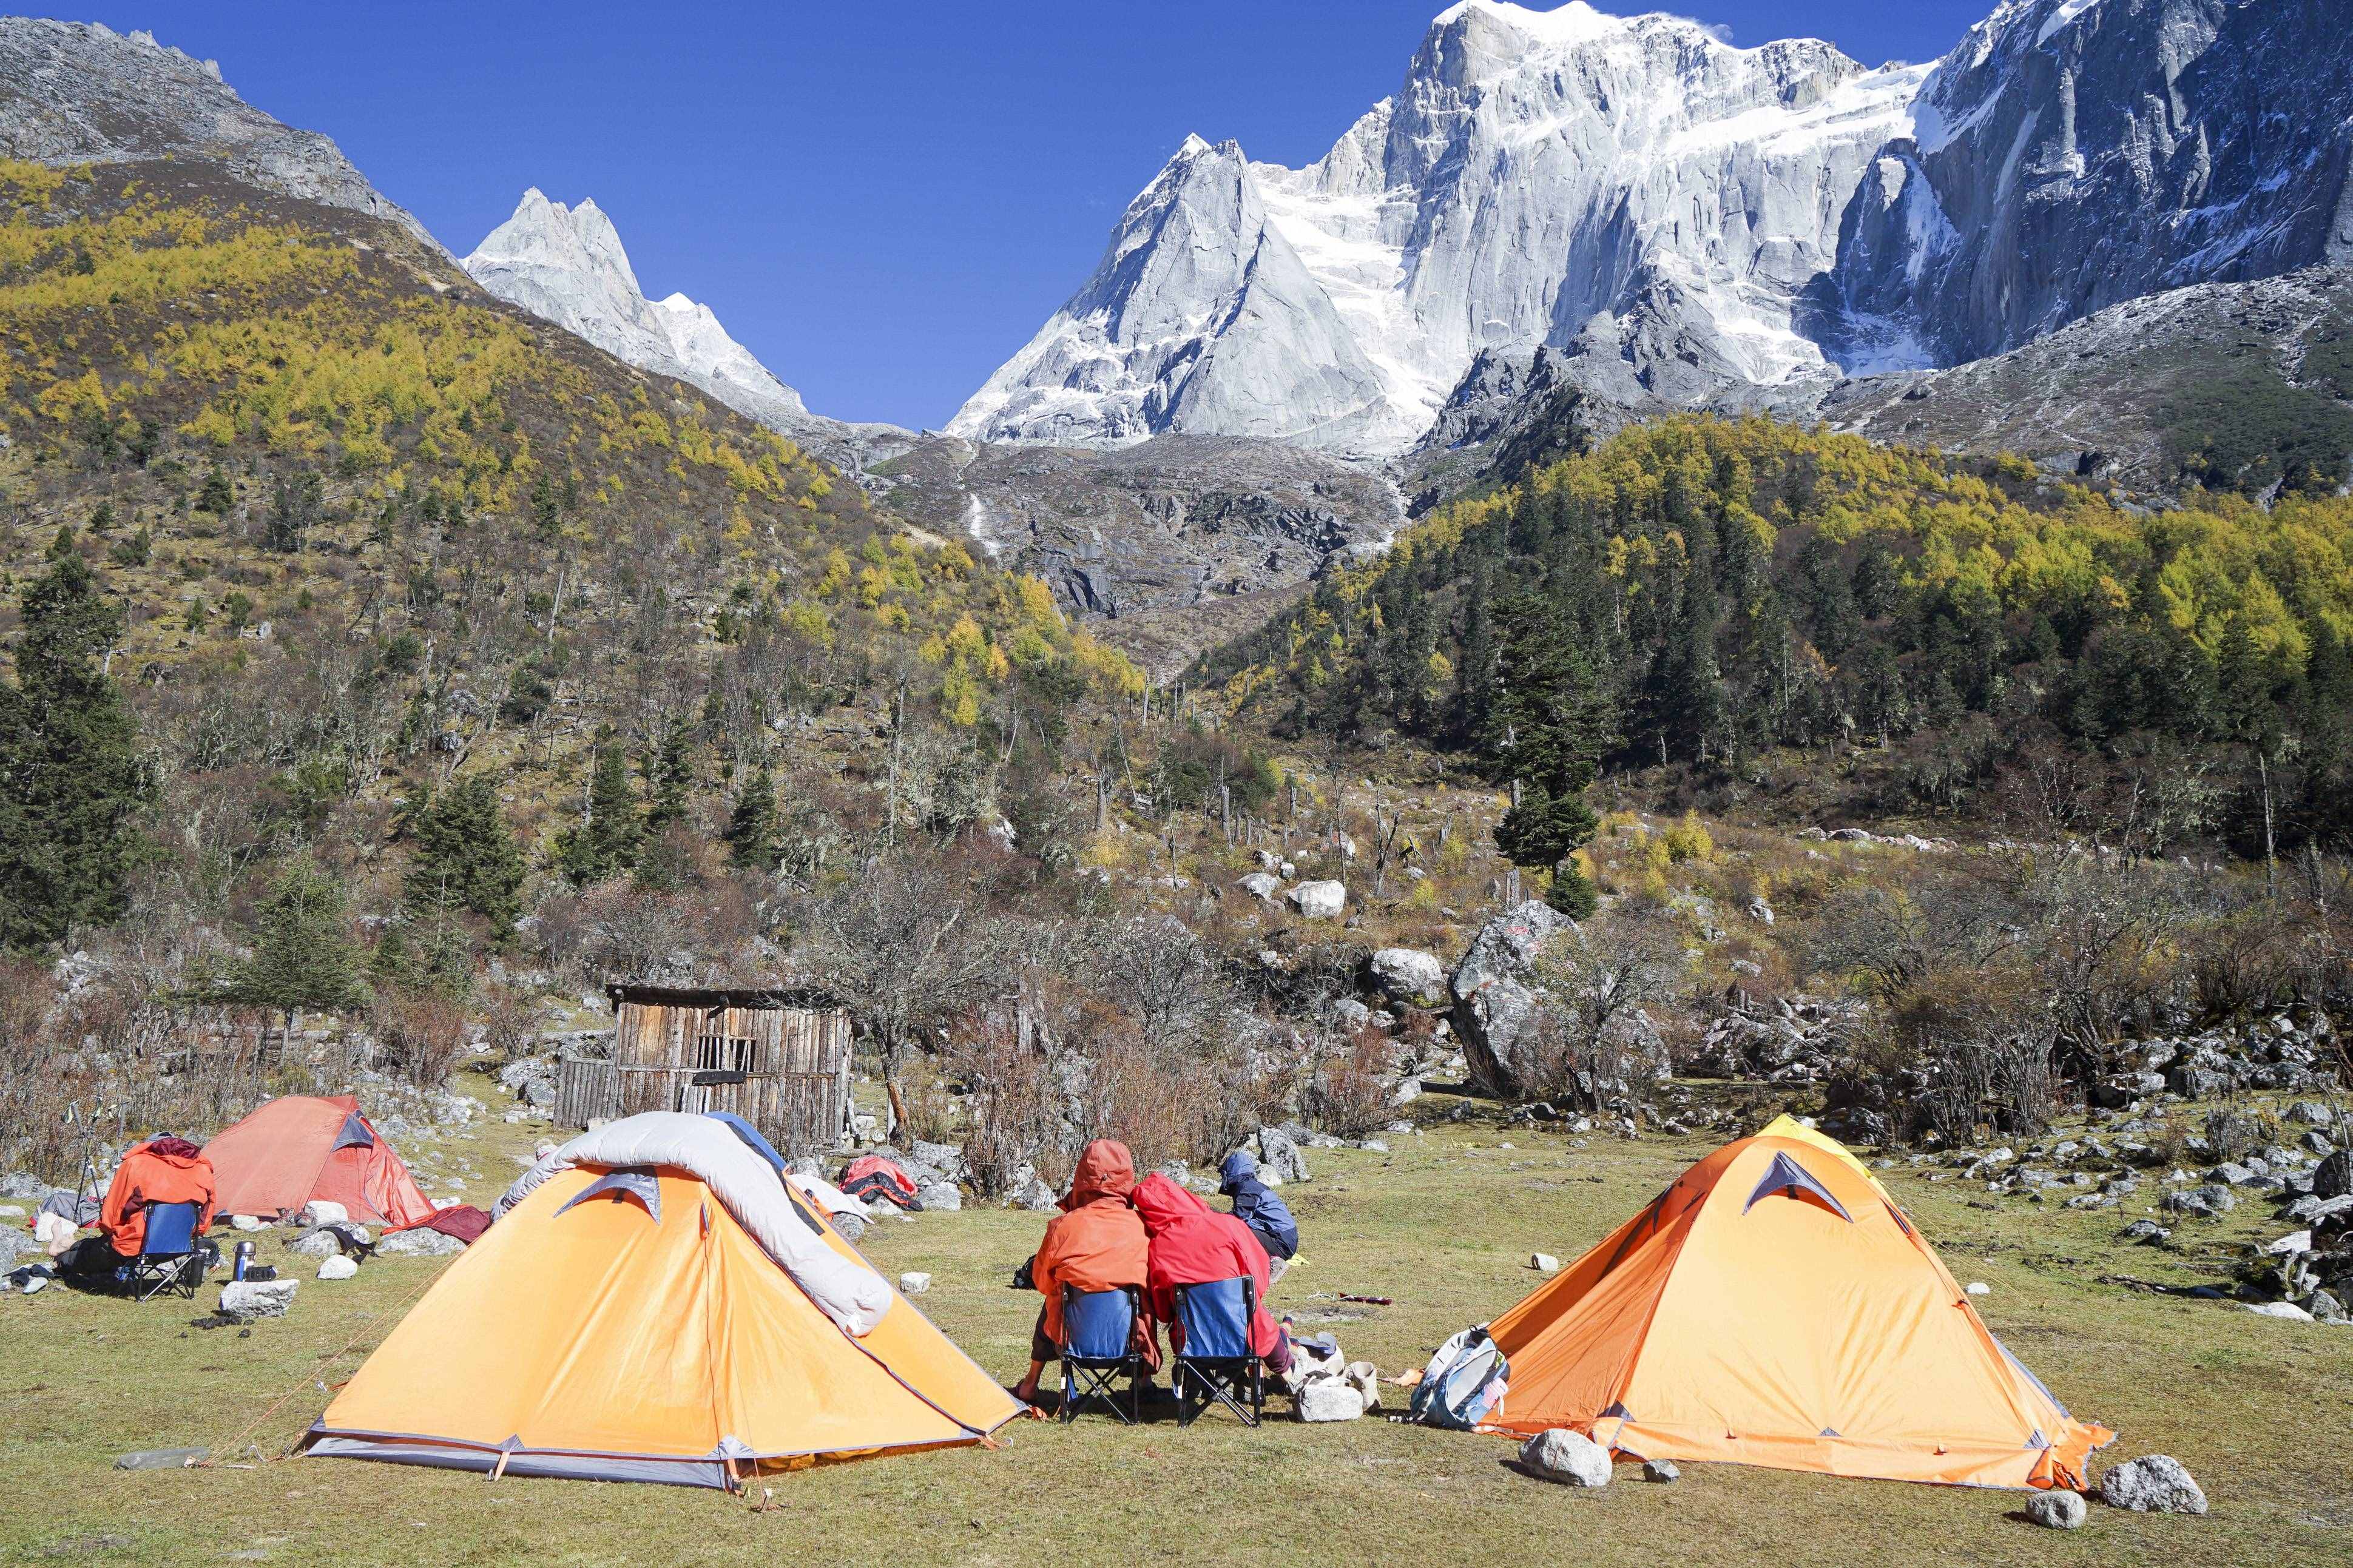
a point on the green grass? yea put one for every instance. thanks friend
(1444, 1224)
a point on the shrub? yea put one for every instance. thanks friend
(420, 1031)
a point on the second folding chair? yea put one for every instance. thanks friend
(1216, 1365)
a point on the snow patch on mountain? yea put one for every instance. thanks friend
(568, 266)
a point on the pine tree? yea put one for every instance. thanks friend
(1548, 726)
(303, 954)
(70, 777)
(753, 833)
(610, 841)
(217, 496)
(670, 777)
(466, 857)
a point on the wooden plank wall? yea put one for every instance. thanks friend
(797, 1094)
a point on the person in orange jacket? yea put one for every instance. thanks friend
(166, 1170)
(1096, 1243)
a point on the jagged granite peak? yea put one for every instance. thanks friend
(568, 266)
(2070, 155)
(1541, 177)
(1200, 317)
(80, 92)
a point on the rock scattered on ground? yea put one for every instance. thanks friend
(339, 1268)
(245, 1300)
(1569, 1457)
(2057, 1509)
(2154, 1483)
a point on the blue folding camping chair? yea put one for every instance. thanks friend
(1098, 1347)
(1216, 1365)
(169, 1258)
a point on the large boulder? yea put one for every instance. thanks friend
(2057, 1509)
(1409, 975)
(1279, 1157)
(940, 1197)
(419, 1243)
(322, 1211)
(243, 1301)
(1569, 1457)
(1493, 1005)
(2333, 1178)
(1319, 900)
(2154, 1483)
(339, 1268)
(1262, 885)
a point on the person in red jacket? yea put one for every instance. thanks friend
(166, 1170)
(1193, 1244)
(1096, 1243)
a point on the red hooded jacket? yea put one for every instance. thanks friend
(1193, 1244)
(163, 1171)
(1097, 1243)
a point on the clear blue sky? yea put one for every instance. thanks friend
(881, 198)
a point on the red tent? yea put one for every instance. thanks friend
(302, 1147)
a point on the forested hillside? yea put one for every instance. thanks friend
(335, 532)
(1729, 590)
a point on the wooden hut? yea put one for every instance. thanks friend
(778, 1059)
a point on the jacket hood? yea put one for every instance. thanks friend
(178, 1150)
(1238, 1168)
(1162, 1203)
(1106, 1170)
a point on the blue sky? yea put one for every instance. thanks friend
(882, 200)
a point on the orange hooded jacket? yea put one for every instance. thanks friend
(161, 1171)
(1098, 1243)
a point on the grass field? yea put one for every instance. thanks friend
(1445, 1223)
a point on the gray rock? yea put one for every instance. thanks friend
(2154, 1483)
(2209, 1200)
(22, 1184)
(1545, 1263)
(1410, 975)
(1662, 1470)
(1279, 1156)
(419, 1243)
(339, 1268)
(913, 1283)
(243, 1301)
(848, 1227)
(1319, 900)
(1262, 885)
(2057, 1509)
(2286, 1311)
(1328, 1399)
(2145, 1230)
(2334, 1176)
(945, 1158)
(940, 1197)
(1567, 1456)
(320, 1211)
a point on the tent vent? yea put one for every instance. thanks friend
(1831, 1432)
(1786, 1175)
(1617, 1412)
(2036, 1439)
(353, 1135)
(621, 1185)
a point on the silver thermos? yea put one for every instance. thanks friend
(244, 1255)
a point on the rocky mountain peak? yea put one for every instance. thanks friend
(568, 266)
(80, 92)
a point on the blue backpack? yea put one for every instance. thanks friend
(1463, 1383)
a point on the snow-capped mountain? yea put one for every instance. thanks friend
(1540, 176)
(566, 264)
(1693, 222)
(2070, 155)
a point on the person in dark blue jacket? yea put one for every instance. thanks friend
(1257, 1206)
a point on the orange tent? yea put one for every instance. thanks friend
(620, 1323)
(1774, 1307)
(302, 1147)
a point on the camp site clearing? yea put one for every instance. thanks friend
(1444, 1223)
